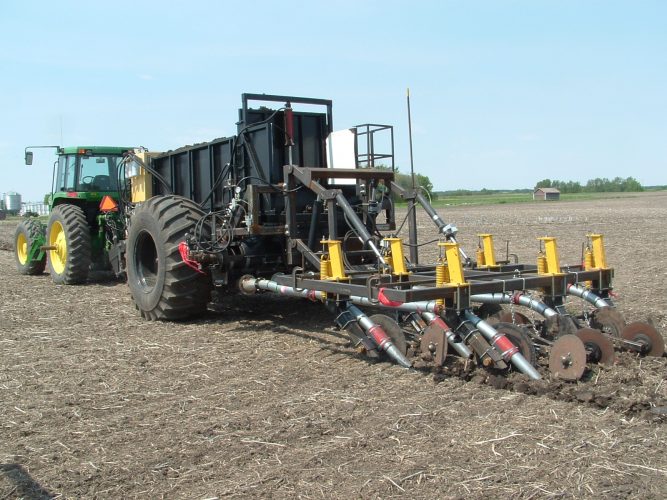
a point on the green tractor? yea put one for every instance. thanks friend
(84, 230)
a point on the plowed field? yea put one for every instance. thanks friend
(262, 397)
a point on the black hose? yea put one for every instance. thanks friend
(232, 162)
(314, 219)
(153, 172)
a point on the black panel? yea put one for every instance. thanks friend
(261, 153)
(182, 173)
(201, 169)
(192, 171)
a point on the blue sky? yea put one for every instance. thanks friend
(504, 93)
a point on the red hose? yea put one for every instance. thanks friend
(385, 301)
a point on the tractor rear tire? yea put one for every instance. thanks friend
(164, 287)
(28, 233)
(69, 233)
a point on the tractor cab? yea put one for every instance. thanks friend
(88, 172)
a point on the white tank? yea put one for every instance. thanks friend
(12, 202)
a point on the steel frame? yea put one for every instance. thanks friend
(420, 284)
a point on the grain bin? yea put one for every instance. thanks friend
(13, 202)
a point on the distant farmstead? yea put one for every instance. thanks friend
(546, 194)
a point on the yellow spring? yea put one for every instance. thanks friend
(324, 268)
(541, 263)
(589, 259)
(480, 257)
(589, 263)
(441, 278)
(325, 271)
(389, 260)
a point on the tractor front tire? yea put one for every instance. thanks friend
(29, 232)
(68, 237)
(164, 287)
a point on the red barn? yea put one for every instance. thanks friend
(547, 194)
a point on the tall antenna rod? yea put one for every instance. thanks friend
(412, 163)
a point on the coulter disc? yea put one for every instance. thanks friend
(567, 359)
(599, 349)
(520, 339)
(557, 326)
(653, 344)
(487, 311)
(513, 318)
(392, 329)
(608, 320)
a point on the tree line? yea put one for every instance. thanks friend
(597, 185)
(405, 180)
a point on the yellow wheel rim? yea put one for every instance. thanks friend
(22, 248)
(57, 257)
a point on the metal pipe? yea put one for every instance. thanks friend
(412, 163)
(251, 284)
(446, 229)
(509, 351)
(412, 232)
(289, 132)
(459, 347)
(535, 305)
(517, 298)
(358, 226)
(587, 295)
(417, 307)
(379, 336)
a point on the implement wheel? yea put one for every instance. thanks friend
(68, 235)
(652, 342)
(163, 286)
(608, 320)
(599, 349)
(520, 339)
(567, 358)
(29, 233)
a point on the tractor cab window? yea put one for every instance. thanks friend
(66, 173)
(98, 173)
